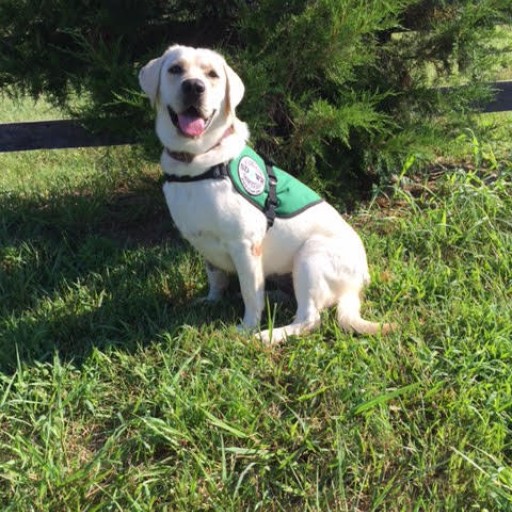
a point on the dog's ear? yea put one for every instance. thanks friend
(234, 89)
(149, 78)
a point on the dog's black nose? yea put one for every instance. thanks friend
(193, 88)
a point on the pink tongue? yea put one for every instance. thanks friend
(191, 125)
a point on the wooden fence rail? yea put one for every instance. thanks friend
(502, 102)
(54, 135)
(70, 134)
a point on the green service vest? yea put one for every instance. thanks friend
(262, 183)
(275, 192)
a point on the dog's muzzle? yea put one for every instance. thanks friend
(191, 122)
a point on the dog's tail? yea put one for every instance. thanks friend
(349, 316)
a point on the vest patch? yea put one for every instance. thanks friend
(252, 178)
(249, 175)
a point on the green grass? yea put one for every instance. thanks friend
(118, 393)
(503, 45)
(14, 110)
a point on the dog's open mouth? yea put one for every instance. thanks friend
(190, 123)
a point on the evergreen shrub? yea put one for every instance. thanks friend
(338, 91)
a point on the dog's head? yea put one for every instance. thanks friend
(195, 93)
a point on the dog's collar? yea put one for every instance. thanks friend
(187, 158)
(181, 156)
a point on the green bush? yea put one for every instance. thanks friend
(338, 89)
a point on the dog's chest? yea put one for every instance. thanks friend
(213, 217)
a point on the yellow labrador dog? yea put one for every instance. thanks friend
(216, 207)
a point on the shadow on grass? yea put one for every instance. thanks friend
(82, 271)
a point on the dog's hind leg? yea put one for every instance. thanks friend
(325, 274)
(312, 291)
(304, 322)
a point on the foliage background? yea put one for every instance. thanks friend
(343, 90)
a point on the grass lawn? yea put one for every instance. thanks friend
(117, 392)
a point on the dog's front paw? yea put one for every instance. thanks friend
(271, 337)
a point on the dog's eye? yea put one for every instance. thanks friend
(176, 69)
(213, 74)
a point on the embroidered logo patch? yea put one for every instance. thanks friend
(251, 176)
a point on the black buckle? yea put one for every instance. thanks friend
(271, 202)
(219, 171)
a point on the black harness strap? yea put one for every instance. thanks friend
(271, 203)
(220, 171)
(216, 172)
